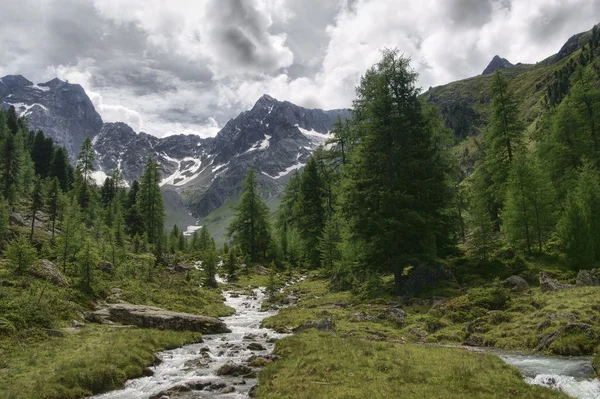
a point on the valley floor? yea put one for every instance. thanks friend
(367, 350)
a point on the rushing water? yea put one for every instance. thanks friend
(573, 376)
(198, 363)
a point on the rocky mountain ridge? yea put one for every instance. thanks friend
(274, 138)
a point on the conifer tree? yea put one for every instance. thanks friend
(151, 204)
(328, 245)
(579, 226)
(20, 254)
(210, 268)
(505, 135)
(84, 170)
(311, 212)
(36, 205)
(87, 259)
(42, 153)
(528, 211)
(11, 165)
(59, 168)
(395, 186)
(231, 263)
(70, 225)
(4, 219)
(250, 228)
(133, 218)
(53, 197)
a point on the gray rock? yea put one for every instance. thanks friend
(588, 278)
(154, 317)
(255, 346)
(548, 284)
(17, 219)
(516, 283)
(48, 270)
(105, 266)
(234, 370)
(77, 324)
(325, 324)
(395, 315)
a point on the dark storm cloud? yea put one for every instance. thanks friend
(188, 66)
(241, 36)
(470, 12)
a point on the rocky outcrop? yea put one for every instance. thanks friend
(361, 318)
(47, 270)
(61, 110)
(588, 278)
(496, 64)
(549, 284)
(154, 317)
(547, 340)
(516, 283)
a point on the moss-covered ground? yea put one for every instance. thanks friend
(93, 360)
(321, 365)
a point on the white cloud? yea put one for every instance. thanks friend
(177, 66)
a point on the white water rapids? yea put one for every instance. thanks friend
(573, 376)
(198, 363)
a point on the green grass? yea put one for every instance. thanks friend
(94, 360)
(500, 319)
(320, 365)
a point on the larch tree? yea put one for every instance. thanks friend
(250, 229)
(394, 188)
(504, 139)
(311, 212)
(151, 203)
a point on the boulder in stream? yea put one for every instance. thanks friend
(234, 369)
(154, 317)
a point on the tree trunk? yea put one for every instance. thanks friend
(398, 280)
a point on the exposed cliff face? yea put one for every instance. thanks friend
(274, 138)
(62, 110)
(497, 64)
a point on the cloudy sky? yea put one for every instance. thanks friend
(188, 66)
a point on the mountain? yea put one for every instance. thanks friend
(496, 64)
(274, 138)
(465, 105)
(62, 110)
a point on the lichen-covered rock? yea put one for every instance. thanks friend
(48, 270)
(154, 317)
(588, 278)
(516, 283)
(548, 284)
(394, 314)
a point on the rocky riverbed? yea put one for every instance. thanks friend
(223, 366)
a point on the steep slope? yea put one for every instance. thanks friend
(62, 110)
(465, 104)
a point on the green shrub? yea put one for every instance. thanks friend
(494, 298)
